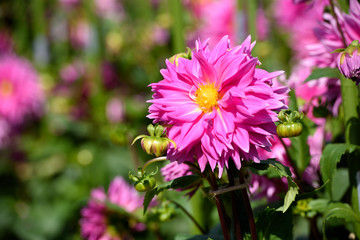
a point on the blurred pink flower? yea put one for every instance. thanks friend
(6, 43)
(262, 25)
(269, 188)
(115, 110)
(20, 90)
(109, 9)
(80, 34)
(262, 186)
(72, 71)
(69, 3)
(217, 18)
(94, 222)
(218, 104)
(175, 170)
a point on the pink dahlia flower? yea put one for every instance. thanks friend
(115, 110)
(217, 105)
(20, 90)
(95, 222)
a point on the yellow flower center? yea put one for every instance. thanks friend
(207, 97)
(6, 88)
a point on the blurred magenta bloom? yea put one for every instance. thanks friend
(218, 104)
(217, 18)
(6, 43)
(72, 71)
(115, 110)
(348, 62)
(20, 90)
(80, 33)
(262, 25)
(175, 170)
(95, 223)
(69, 4)
(262, 186)
(109, 9)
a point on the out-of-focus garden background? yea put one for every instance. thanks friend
(74, 78)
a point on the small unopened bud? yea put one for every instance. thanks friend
(156, 143)
(348, 61)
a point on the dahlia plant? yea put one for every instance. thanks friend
(219, 111)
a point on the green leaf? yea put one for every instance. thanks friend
(331, 156)
(181, 182)
(291, 194)
(270, 224)
(282, 171)
(341, 211)
(323, 72)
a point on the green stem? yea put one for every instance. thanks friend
(234, 206)
(190, 216)
(220, 207)
(248, 208)
(251, 10)
(176, 11)
(159, 159)
(349, 93)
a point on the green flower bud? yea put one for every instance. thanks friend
(145, 184)
(289, 125)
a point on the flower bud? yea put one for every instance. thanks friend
(348, 61)
(174, 59)
(156, 143)
(289, 125)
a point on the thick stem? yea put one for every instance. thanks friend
(190, 216)
(234, 207)
(248, 208)
(349, 93)
(337, 23)
(220, 207)
(176, 10)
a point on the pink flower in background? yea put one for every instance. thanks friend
(175, 170)
(109, 9)
(218, 104)
(269, 188)
(115, 110)
(95, 223)
(262, 25)
(6, 43)
(217, 18)
(124, 195)
(69, 3)
(20, 90)
(81, 34)
(72, 72)
(262, 186)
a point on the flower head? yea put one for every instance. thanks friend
(217, 105)
(20, 90)
(95, 217)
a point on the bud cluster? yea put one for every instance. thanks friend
(143, 182)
